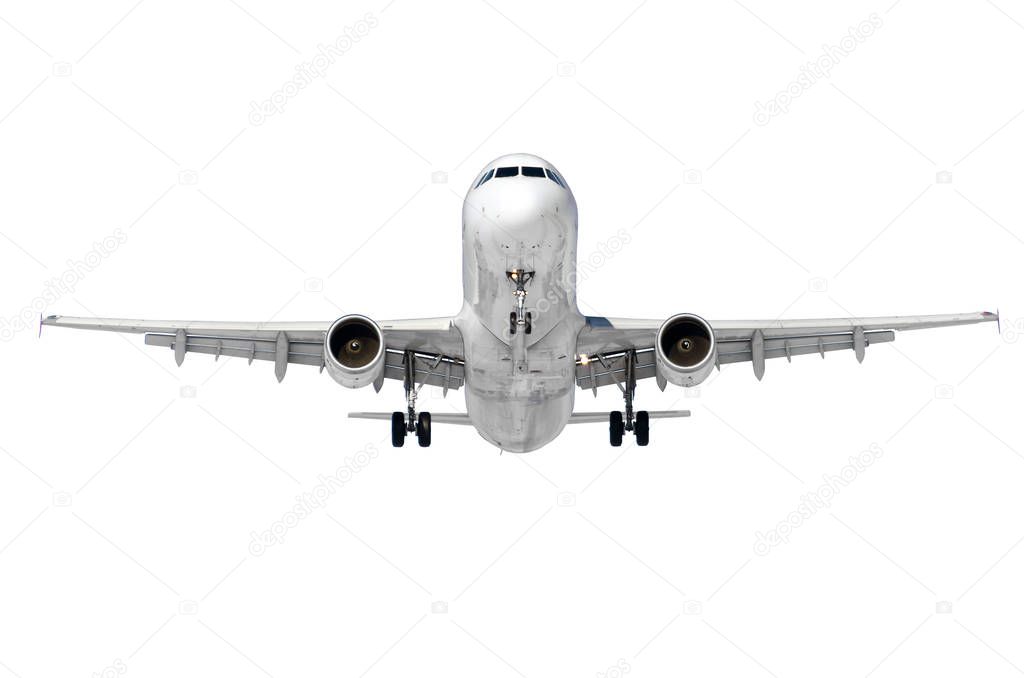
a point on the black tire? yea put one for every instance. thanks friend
(642, 428)
(512, 322)
(615, 428)
(529, 323)
(423, 429)
(397, 429)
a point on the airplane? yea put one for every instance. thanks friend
(520, 347)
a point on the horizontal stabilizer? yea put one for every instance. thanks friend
(435, 417)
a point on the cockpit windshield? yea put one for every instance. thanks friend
(537, 172)
(485, 178)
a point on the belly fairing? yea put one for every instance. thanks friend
(519, 405)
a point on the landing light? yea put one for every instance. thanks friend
(584, 359)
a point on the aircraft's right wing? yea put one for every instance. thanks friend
(603, 342)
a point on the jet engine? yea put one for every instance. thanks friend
(354, 351)
(685, 350)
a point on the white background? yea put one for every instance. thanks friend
(129, 489)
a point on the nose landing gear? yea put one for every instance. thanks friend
(513, 323)
(638, 422)
(520, 317)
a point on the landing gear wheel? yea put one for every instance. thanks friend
(397, 429)
(529, 323)
(512, 322)
(423, 429)
(642, 428)
(615, 428)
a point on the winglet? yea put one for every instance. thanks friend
(40, 324)
(989, 316)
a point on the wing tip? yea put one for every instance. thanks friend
(989, 316)
(48, 320)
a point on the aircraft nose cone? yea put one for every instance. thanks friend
(523, 210)
(527, 227)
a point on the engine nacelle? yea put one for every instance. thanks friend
(354, 351)
(685, 350)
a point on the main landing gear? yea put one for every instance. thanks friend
(638, 422)
(421, 429)
(402, 424)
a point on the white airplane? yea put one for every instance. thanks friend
(520, 345)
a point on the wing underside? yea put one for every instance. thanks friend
(605, 342)
(433, 344)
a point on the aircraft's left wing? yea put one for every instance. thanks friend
(603, 342)
(435, 343)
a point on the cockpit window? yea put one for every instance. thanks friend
(485, 178)
(539, 172)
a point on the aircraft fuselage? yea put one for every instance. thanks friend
(519, 231)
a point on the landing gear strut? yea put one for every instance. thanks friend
(403, 424)
(637, 422)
